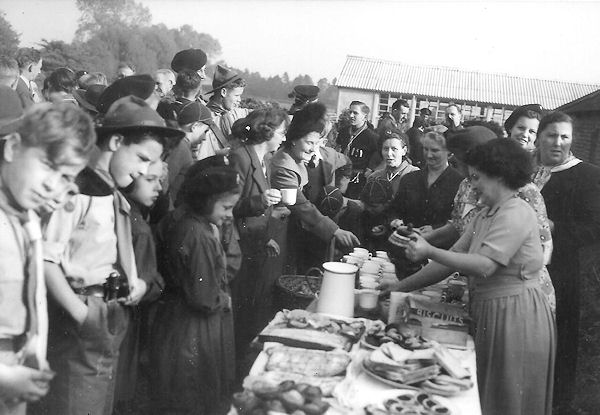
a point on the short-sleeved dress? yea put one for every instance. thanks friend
(192, 346)
(466, 207)
(515, 337)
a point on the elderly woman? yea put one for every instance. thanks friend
(502, 254)
(523, 123)
(381, 188)
(571, 189)
(288, 171)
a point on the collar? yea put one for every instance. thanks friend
(27, 81)
(215, 107)
(283, 160)
(491, 211)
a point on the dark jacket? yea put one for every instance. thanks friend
(251, 214)
(24, 93)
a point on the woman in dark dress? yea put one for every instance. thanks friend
(261, 133)
(193, 342)
(571, 189)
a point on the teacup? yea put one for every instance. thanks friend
(367, 299)
(381, 254)
(288, 196)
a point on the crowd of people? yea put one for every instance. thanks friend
(143, 230)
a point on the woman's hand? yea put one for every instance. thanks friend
(346, 238)
(271, 197)
(418, 248)
(272, 248)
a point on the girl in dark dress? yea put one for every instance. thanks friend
(193, 343)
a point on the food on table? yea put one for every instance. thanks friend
(287, 398)
(399, 333)
(409, 403)
(307, 362)
(435, 370)
(312, 330)
(299, 284)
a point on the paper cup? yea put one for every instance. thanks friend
(288, 196)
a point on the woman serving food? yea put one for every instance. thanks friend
(501, 252)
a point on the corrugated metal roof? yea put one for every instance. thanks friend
(588, 103)
(457, 84)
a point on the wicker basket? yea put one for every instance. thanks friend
(296, 291)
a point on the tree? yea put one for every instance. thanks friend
(9, 39)
(57, 54)
(98, 14)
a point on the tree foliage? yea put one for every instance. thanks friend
(9, 39)
(97, 14)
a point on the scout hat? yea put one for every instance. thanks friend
(192, 59)
(223, 77)
(331, 201)
(133, 114)
(194, 111)
(88, 98)
(11, 110)
(141, 86)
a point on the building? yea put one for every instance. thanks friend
(487, 96)
(586, 129)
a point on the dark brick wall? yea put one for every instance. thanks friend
(586, 136)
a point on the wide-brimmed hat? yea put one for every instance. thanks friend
(192, 59)
(194, 112)
(141, 86)
(11, 110)
(223, 77)
(88, 98)
(134, 114)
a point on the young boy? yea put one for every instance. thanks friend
(228, 87)
(88, 241)
(41, 156)
(30, 65)
(133, 354)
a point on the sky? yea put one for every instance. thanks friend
(542, 39)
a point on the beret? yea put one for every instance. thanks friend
(192, 59)
(141, 86)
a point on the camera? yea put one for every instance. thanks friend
(115, 287)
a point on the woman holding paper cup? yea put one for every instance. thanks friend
(288, 171)
(501, 251)
(261, 134)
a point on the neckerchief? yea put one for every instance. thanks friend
(543, 173)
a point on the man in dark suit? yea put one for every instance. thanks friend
(30, 65)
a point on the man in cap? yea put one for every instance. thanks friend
(395, 121)
(190, 59)
(228, 87)
(87, 241)
(303, 95)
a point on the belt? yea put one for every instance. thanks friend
(91, 291)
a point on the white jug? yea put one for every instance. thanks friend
(336, 296)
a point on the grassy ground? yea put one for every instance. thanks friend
(587, 399)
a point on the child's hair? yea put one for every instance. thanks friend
(203, 186)
(187, 81)
(136, 137)
(62, 130)
(238, 83)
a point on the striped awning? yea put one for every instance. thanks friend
(457, 84)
